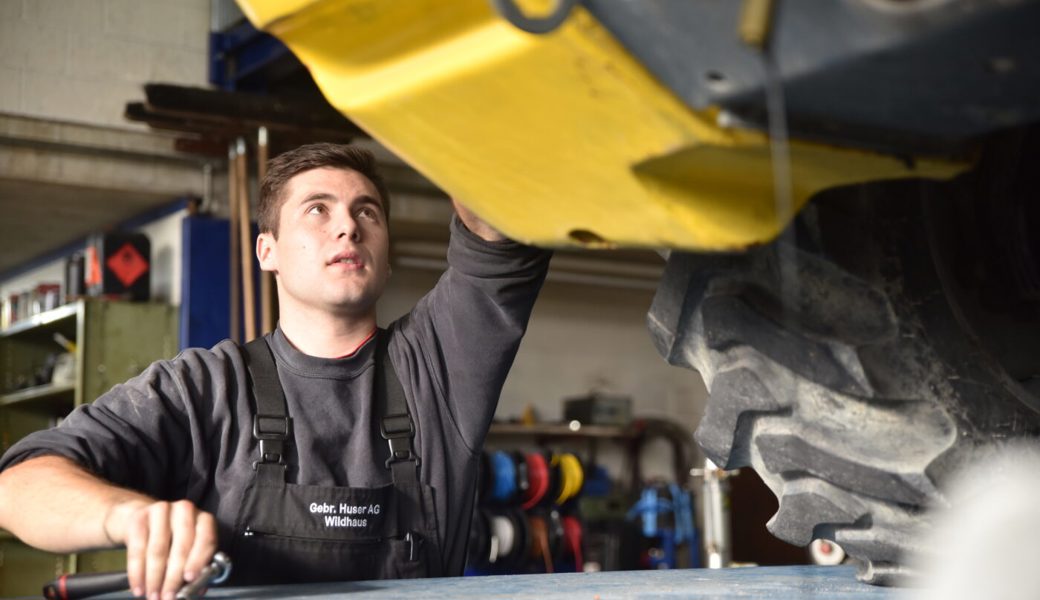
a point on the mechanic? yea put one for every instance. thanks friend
(365, 470)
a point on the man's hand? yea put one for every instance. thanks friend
(166, 543)
(476, 224)
(55, 505)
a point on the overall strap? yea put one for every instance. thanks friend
(272, 427)
(397, 428)
(395, 422)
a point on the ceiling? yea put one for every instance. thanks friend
(40, 218)
(60, 182)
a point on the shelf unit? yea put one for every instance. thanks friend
(114, 341)
(548, 433)
(47, 397)
(563, 430)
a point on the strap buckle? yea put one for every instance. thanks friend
(272, 433)
(271, 427)
(272, 452)
(398, 430)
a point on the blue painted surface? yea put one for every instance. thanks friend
(205, 288)
(239, 56)
(774, 583)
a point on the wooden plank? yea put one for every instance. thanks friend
(241, 107)
(216, 128)
(235, 266)
(245, 238)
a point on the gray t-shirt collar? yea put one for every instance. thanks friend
(288, 356)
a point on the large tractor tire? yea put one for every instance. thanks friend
(889, 337)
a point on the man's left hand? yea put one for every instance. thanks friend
(476, 224)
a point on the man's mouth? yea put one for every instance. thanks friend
(347, 259)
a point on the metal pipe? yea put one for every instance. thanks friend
(207, 188)
(717, 553)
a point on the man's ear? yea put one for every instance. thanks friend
(267, 252)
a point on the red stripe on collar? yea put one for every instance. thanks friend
(359, 346)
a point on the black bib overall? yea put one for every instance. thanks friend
(290, 533)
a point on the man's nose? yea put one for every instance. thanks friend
(348, 227)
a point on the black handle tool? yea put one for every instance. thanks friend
(69, 587)
(73, 587)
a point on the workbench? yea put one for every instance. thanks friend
(773, 583)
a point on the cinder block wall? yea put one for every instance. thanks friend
(82, 60)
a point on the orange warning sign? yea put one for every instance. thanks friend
(127, 264)
(93, 275)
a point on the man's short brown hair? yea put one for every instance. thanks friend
(284, 167)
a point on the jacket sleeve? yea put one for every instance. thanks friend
(466, 331)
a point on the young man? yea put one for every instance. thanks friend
(366, 469)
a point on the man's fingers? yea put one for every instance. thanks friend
(182, 530)
(205, 545)
(475, 224)
(166, 544)
(158, 548)
(136, 547)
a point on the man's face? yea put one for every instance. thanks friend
(332, 251)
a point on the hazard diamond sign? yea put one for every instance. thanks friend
(127, 264)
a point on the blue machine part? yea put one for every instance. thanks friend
(682, 531)
(647, 509)
(665, 557)
(240, 56)
(683, 509)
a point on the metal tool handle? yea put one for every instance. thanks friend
(216, 572)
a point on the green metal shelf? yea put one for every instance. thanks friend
(67, 311)
(45, 397)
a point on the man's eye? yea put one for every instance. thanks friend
(316, 209)
(367, 212)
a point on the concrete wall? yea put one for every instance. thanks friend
(82, 60)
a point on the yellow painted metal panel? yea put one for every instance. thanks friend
(556, 139)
